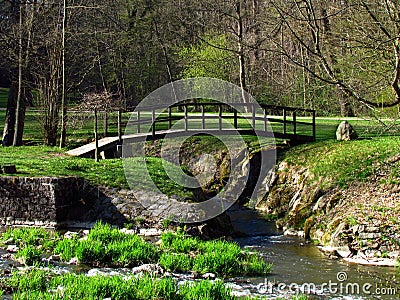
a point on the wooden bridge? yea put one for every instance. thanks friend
(183, 119)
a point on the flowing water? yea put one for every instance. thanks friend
(299, 267)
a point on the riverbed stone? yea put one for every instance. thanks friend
(208, 276)
(152, 269)
(12, 248)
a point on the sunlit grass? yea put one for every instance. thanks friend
(343, 162)
(220, 257)
(108, 246)
(40, 284)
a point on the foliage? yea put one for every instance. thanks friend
(30, 236)
(205, 290)
(32, 242)
(29, 255)
(42, 284)
(105, 245)
(220, 257)
(207, 59)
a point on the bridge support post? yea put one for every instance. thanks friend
(265, 119)
(203, 119)
(138, 121)
(220, 116)
(186, 116)
(313, 126)
(119, 127)
(253, 116)
(169, 117)
(96, 137)
(153, 123)
(294, 123)
(284, 122)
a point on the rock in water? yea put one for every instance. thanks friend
(345, 132)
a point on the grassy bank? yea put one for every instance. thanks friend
(341, 163)
(36, 161)
(41, 284)
(342, 194)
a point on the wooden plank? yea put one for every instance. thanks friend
(203, 120)
(88, 148)
(120, 127)
(96, 138)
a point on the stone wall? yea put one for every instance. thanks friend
(38, 201)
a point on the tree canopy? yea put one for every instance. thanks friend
(339, 57)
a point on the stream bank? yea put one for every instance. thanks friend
(357, 220)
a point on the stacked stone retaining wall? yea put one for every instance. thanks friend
(38, 201)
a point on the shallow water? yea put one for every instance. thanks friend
(299, 267)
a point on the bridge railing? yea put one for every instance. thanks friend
(285, 122)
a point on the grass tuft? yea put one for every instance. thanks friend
(223, 258)
(39, 284)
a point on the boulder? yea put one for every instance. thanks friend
(345, 132)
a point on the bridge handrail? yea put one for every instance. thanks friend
(286, 119)
(233, 104)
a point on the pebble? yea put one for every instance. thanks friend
(148, 268)
(12, 248)
(73, 261)
(70, 234)
(150, 232)
(208, 276)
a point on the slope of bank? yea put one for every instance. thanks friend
(342, 195)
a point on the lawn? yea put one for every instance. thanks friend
(51, 161)
(341, 163)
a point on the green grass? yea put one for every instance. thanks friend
(107, 246)
(39, 161)
(220, 257)
(341, 163)
(40, 284)
(32, 243)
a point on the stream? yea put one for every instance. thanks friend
(301, 268)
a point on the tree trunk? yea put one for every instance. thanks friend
(9, 124)
(17, 126)
(63, 99)
(242, 67)
(346, 109)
